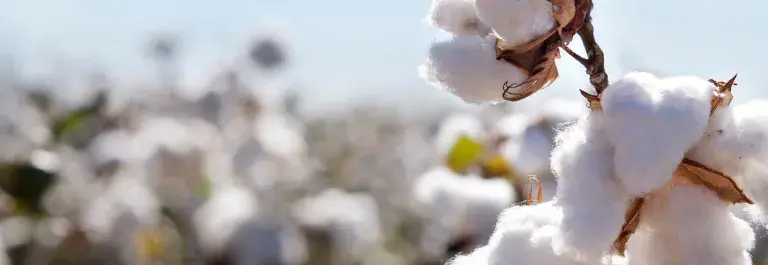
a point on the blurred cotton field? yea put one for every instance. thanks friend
(235, 174)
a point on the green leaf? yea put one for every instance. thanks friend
(464, 154)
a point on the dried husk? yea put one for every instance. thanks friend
(537, 58)
(688, 172)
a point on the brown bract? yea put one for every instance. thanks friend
(690, 172)
(537, 58)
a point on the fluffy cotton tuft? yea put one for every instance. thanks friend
(527, 235)
(516, 22)
(690, 225)
(652, 123)
(736, 143)
(592, 202)
(467, 67)
(458, 17)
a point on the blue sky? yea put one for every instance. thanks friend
(350, 48)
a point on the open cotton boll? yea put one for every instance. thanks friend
(458, 17)
(485, 200)
(527, 235)
(736, 143)
(466, 66)
(217, 220)
(690, 226)
(439, 201)
(352, 218)
(455, 126)
(593, 203)
(516, 22)
(652, 123)
(478, 256)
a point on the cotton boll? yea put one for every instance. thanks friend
(652, 123)
(486, 199)
(736, 143)
(516, 22)
(438, 197)
(690, 226)
(527, 235)
(217, 220)
(458, 17)
(467, 67)
(592, 202)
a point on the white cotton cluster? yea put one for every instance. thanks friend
(516, 22)
(458, 17)
(351, 218)
(455, 126)
(466, 66)
(630, 148)
(652, 122)
(690, 225)
(592, 202)
(455, 205)
(736, 143)
(123, 207)
(218, 220)
(523, 235)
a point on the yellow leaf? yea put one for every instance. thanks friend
(463, 154)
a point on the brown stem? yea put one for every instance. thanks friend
(596, 59)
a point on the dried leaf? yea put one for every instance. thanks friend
(722, 185)
(632, 221)
(563, 11)
(542, 71)
(723, 95)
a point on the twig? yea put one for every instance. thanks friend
(596, 59)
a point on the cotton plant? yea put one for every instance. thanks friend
(644, 177)
(350, 219)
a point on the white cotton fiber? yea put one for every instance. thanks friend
(458, 17)
(652, 123)
(736, 143)
(690, 226)
(516, 21)
(467, 67)
(526, 235)
(593, 203)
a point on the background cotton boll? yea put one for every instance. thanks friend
(533, 155)
(593, 204)
(458, 17)
(218, 218)
(352, 219)
(486, 199)
(652, 123)
(467, 67)
(516, 22)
